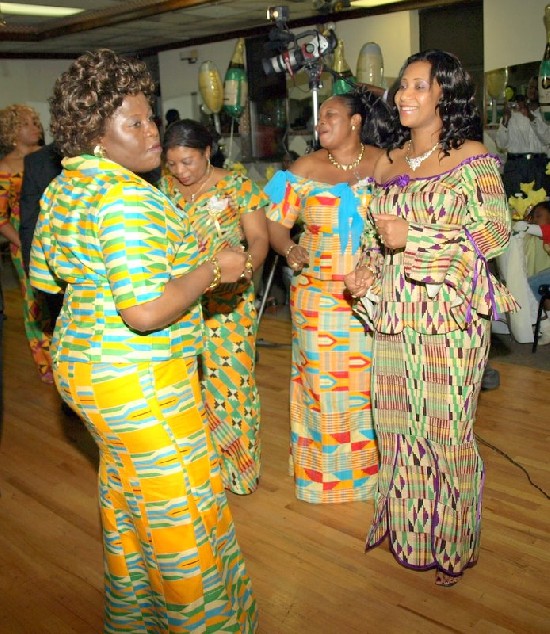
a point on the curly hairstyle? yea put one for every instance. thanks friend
(457, 109)
(12, 118)
(88, 94)
(376, 122)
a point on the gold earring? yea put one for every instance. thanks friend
(99, 151)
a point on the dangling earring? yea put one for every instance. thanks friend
(99, 151)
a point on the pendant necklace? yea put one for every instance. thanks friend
(204, 181)
(347, 166)
(415, 162)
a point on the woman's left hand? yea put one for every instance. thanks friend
(393, 231)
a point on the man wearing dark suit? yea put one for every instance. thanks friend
(39, 169)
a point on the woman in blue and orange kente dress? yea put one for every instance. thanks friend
(333, 451)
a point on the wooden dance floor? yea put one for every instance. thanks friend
(307, 563)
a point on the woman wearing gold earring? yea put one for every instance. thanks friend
(332, 444)
(125, 356)
(224, 208)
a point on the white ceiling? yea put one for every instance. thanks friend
(149, 26)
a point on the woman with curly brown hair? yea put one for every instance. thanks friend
(125, 356)
(20, 134)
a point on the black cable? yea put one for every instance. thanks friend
(516, 464)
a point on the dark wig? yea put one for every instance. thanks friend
(374, 112)
(188, 133)
(88, 94)
(459, 114)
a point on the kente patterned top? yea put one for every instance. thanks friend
(332, 216)
(115, 241)
(458, 220)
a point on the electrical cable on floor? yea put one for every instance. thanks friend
(516, 464)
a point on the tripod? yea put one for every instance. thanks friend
(314, 70)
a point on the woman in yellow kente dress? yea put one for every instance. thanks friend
(125, 357)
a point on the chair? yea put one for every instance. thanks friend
(544, 292)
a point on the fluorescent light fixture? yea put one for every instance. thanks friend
(16, 8)
(369, 4)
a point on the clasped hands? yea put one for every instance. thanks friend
(392, 231)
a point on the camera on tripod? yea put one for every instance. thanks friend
(291, 55)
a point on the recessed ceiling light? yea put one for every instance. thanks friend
(16, 8)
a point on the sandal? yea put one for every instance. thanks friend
(445, 580)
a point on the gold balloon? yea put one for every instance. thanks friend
(211, 87)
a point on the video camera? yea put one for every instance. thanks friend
(292, 56)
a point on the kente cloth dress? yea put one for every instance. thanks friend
(228, 360)
(172, 562)
(36, 318)
(431, 309)
(332, 445)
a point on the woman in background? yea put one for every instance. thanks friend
(441, 212)
(125, 356)
(224, 209)
(20, 134)
(332, 445)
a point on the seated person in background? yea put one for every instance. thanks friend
(525, 135)
(537, 255)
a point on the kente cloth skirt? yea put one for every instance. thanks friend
(333, 453)
(228, 379)
(171, 559)
(430, 481)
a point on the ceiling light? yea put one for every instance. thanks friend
(16, 8)
(372, 3)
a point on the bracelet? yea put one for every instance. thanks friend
(287, 252)
(217, 274)
(248, 267)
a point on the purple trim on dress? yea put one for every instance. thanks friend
(476, 276)
(400, 178)
(434, 522)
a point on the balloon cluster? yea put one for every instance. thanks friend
(233, 93)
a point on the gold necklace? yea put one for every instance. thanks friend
(203, 182)
(347, 166)
(415, 162)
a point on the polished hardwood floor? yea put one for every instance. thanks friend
(307, 563)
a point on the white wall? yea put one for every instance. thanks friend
(514, 32)
(30, 82)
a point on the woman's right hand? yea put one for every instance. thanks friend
(231, 261)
